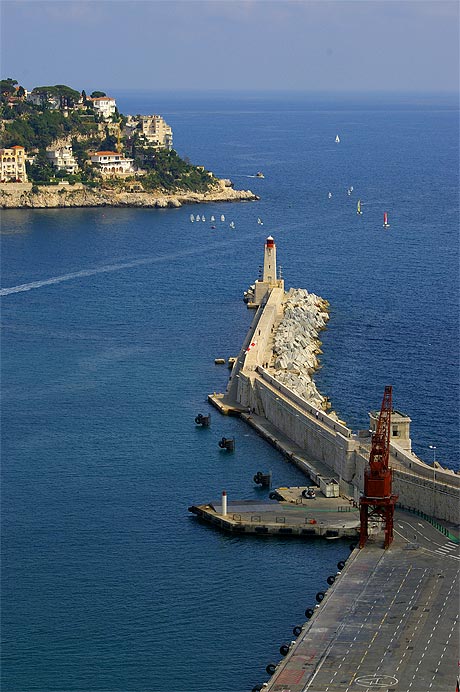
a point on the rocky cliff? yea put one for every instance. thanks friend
(20, 196)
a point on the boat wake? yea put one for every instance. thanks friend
(110, 268)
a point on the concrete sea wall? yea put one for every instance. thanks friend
(255, 385)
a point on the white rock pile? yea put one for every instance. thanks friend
(296, 344)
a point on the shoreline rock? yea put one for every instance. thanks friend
(297, 345)
(20, 196)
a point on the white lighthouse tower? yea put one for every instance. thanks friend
(269, 277)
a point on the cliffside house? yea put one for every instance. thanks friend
(103, 105)
(38, 98)
(63, 159)
(152, 128)
(13, 165)
(112, 163)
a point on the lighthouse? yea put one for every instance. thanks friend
(269, 276)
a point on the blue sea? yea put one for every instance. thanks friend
(108, 347)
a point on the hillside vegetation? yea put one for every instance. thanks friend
(71, 118)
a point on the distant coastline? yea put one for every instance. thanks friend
(21, 196)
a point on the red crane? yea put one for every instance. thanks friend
(377, 501)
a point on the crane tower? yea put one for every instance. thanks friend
(378, 502)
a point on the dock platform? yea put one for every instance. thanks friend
(388, 622)
(322, 517)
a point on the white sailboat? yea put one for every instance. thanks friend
(329, 195)
(260, 222)
(192, 218)
(222, 218)
(197, 218)
(337, 139)
(232, 225)
(212, 218)
(203, 218)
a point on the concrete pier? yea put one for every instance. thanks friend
(389, 621)
(306, 518)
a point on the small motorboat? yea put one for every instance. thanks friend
(259, 174)
(222, 218)
(232, 225)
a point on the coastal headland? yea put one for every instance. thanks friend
(22, 196)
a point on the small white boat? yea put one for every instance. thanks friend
(260, 222)
(259, 174)
(329, 195)
(349, 191)
(192, 218)
(358, 207)
(203, 218)
(351, 188)
(337, 139)
(385, 220)
(212, 218)
(232, 225)
(222, 218)
(197, 218)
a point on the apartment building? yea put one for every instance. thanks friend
(13, 165)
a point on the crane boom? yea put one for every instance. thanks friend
(378, 501)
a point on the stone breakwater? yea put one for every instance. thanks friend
(17, 196)
(296, 344)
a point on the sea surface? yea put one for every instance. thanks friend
(112, 319)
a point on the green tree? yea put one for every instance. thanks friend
(41, 170)
(8, 86)
(98, 94)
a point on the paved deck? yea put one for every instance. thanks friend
(388, 623)
(325, 517)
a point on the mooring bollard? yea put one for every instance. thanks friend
(227, 443)
(263, 479)
(205, 421)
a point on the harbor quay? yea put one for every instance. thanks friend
(388, 619)
(264, 383)
(388, 622)
(292, 514)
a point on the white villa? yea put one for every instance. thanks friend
(103, 105)
(112, 163)
(63, 159)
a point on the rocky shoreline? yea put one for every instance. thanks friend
(20, 196)
(297, 345)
